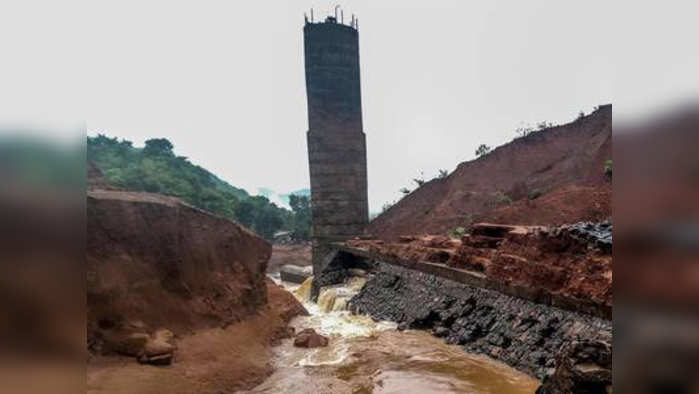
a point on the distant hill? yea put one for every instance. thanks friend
(155, 168)
(552, 176)
(282, 199)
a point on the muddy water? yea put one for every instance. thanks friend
(373, 357)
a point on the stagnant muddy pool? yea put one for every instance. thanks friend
(365, 356)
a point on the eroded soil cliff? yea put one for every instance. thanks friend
(155, 261)
(169, 284)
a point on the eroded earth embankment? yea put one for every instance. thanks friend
(169, 284)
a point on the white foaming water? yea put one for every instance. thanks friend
(367, 356)
(330, 316)
(321, 356)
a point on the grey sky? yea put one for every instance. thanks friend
(224, 80)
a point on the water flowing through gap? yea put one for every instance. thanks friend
(365, 356)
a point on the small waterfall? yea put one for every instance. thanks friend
(304, 291)
(326, 299)
(340, 304)
(336, 298)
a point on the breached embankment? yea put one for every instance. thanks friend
(173, 285)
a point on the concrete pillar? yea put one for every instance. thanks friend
(336, 141)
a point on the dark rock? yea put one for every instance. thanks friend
(440, 332)
(583, 367)
(295, 274)
(161, 359)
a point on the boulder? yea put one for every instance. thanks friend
(295, 274)
(582, 367)
(161, 359)
(124, 343)
(309, 338)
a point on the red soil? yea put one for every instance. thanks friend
(551, 177)
(536, 257)
(214, 360)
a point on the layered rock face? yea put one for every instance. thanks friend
(154, 262)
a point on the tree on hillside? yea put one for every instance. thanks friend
(543, 125)
(301, 226)
(524, 131)
(158, 146)
(155, 168)
(421, 180)
(482, 150)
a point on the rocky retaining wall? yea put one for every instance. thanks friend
(521, 333)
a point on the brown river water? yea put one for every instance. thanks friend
(365, 356)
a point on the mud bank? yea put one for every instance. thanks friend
(523, 334)
(209, 361)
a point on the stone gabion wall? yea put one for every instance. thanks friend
(523, 334)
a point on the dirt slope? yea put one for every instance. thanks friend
(550, 177)
(211, 361)
(155, 261)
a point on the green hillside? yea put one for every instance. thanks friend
(156, 168)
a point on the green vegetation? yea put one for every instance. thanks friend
(500, 198)
(386, 206)
(543, 125)
(523, 131)
(482, 150)
(534, 194)
(456, 233)
(301, 222)
(421, 180)
(156, 169)
(608, 168)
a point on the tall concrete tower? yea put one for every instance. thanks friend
(336, 142)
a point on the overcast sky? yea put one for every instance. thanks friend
(224, 80)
